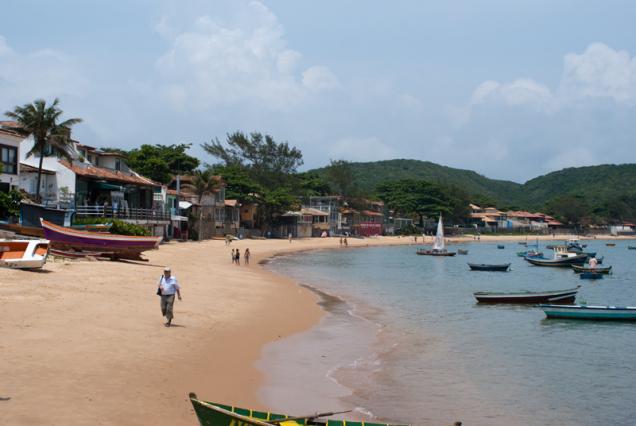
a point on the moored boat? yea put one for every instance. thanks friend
(122, 246)
(591, 276)
(590, 312)
(582, 268)
(23, 254)
(462, 251)
(610, 244)
(502, 267)
(214, 414)
(501, 246)
(560, 296)
(631, 247)
(439, 246)
(562, 261)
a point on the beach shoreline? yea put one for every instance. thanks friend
(85, 339)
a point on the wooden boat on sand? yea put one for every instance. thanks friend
(579, 269)
(23, 254)
(555, 296)
(121, 246)
(214, 414)
(589, 312)
(501, 267)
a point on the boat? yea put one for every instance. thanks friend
(500, 246)
(582, 268)
(530, 253)
(23, 254)
(462, 251)
(590, 312)
(121, 246)
(215, 414)
(610, 244)
(591, 276)
(631, 247)
(502, 267)
(439, 247)
(79, 254)
(560, 296)
(561, 261)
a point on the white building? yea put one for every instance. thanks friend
(9, 159)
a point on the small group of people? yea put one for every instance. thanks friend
(236, 256)
(343, 241)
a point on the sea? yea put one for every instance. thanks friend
(404, 340)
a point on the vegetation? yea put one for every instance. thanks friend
(259, 169)
(159, 162)
(10, 203)
(42, 122)
(118, 227)
(203, 183)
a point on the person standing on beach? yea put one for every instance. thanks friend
(168, 286)
(238, 257)
(233, 256)
(290, 237)
(346, 243)
(246, 256)
(340, 241)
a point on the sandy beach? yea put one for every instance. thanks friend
(84, 342)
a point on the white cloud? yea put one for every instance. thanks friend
(599, 72)
(361, 149)
(219, 63)
(522, 91)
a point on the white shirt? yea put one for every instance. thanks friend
(169, 285)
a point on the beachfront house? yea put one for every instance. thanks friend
(9, 158)
(304, 223)
(331, 206)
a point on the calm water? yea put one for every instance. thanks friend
(412, 345)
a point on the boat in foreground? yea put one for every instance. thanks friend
(214, 414)
(121, 246)
(579, 269)
(502, 267)
(590, 312)
(560, 296)
(439, 247)
(23, 254)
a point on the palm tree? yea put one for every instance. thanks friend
(203, 183)
(41, 121)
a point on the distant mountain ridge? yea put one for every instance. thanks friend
(594, 181)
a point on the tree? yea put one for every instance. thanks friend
(572, 209)
(42, 122)
(340, 176)
(310, 184)
(161, 162)
(203, 183)
(258, 169)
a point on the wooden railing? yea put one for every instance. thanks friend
(122, 213)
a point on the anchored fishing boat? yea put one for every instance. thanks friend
(214, 414)
(502, 267)
(560, 296)
(591, 276)
(579, 269)
(23, 254)
(462, 251)
(589, 312)
(562, 258)
(121, 246)
(439, 247)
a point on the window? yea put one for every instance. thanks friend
(117, 164)
(9, 158)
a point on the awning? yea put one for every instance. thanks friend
(185, 204)
(176, 218)
(109, 186)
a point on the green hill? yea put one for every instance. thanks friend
(597, 183)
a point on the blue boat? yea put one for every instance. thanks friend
(591, 276)
(589, 312)
(500, 246)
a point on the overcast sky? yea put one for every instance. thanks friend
(511, 89)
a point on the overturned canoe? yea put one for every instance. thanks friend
(560, 296)
(589, 312)
(502, 267)
(214, 414)
(23, 254)
(122, 246)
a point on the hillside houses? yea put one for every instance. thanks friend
(494, 220)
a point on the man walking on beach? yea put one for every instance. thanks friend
(168, 286)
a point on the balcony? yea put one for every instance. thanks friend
(133, 215)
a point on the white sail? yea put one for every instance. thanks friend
(438, 244)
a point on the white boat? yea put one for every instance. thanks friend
(439, 246)
(23, 254)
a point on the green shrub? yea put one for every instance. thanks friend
(118, 226)
(10, 204)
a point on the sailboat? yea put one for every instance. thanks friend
(439, 247)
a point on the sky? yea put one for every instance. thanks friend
(511, 90)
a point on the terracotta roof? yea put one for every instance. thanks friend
(111, 154)
(371, 213)
(313, 212)
(349, 211)
(172, 192)
(87, 147)
(113, 175)
(628, 224)
(554, 223)
(231, 203)
(26, 168)
(9, 128)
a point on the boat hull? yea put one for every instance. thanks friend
(491, 268)
(23, 254)
(596, 313)
(527, 297)
(122, 246)
(562, 263)
(436, 253)
(581, 269)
